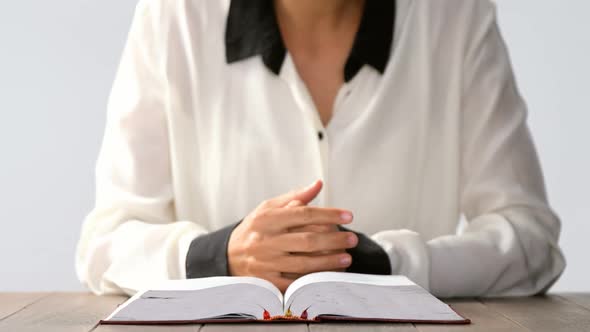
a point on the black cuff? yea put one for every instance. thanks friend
(207, 254)
(367, 257)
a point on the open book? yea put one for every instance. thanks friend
(324, 296)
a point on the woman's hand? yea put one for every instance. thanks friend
(264, 246)
(317, 229)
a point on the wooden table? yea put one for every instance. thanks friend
(65, 312)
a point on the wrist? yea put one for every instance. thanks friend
(207, 255)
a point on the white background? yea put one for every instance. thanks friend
(57, 64)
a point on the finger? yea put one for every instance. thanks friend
(314, 228)
(310, 228)
(320, 253)
(308, 215)
(295, 276)
(291, 276)
(281, 282)
(314, 242)
(294, 203)
(305, 264)
(304, 195)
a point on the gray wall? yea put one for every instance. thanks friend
(57, 62)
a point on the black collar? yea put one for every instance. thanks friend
(252, 29)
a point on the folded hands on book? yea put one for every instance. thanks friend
(284, 238)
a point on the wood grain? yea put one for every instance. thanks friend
(11, 303)
(482, 319)
(130, 328)
(577, 298)
(263, 327)
(65, 312)
(62, 312)
(332, 327)
(543, 313)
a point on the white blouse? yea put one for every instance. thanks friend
(193, 144)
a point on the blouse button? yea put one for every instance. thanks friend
(320, 135)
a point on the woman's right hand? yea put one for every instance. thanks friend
(263, 246)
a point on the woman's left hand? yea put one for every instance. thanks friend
(316, 229)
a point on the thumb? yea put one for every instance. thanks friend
(304, 196)
(294, 203)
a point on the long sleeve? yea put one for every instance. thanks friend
(132, 237)
(509, 246)
(368, 256)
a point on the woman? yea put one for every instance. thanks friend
(407, 110)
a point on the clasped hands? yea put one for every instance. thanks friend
(284, 238)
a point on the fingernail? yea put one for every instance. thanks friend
(346, 216)
(351, 239)
(345, 260)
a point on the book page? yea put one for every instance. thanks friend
(204, 298)
(346, 277)
(200, 283)
(366, 297)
